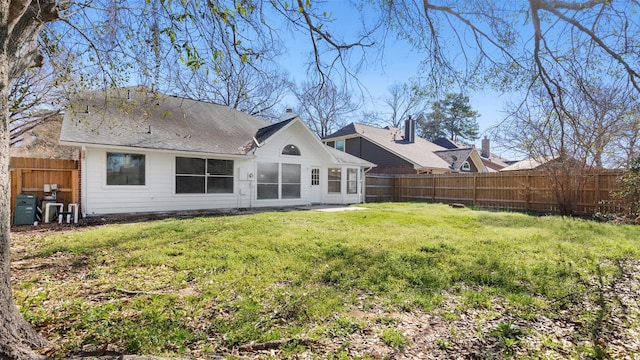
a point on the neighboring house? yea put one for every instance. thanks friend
(148, 152)
(397, 151)
(534, 164)
(492, 162)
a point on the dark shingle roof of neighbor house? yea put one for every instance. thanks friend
(421, 152)
(455, 157)
(450, 144)
(136, 117)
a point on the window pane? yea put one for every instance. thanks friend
(291, 173)
(219, 185)
(352, 181)
(315, 177)
(268, 173)
(189, 166)
(291, 191)
(340, 145)
(291, 150)
(220, 167)
(125, 169)
(334, 180)
(335, 174)
(267, 191)
(190, 184)
(334, 187)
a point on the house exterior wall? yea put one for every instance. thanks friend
(386, 161)
(313, 155)
(158, 194)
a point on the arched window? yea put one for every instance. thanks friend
(291, 150)
(466, 166)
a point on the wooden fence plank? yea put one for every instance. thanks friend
(522, 190)
(28, 175)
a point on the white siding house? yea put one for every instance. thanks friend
(145, 152)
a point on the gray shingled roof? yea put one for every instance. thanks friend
(135, 117)
(421, 152)
(455, 157)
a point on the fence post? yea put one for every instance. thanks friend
(475, 188)
(597, 186)
(433, 187)
(527, 193)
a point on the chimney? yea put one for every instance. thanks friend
(288, 114)
(410, 130)
(486, 148)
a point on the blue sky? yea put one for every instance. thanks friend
(398, 64)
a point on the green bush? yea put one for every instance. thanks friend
(629, 193)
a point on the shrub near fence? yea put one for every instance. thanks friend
(516, 190)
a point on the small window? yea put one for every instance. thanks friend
(466, 166)
(291, 150)
(352, 181)
(315, 177)
(340, 145)
(334, 180)
(125, 169)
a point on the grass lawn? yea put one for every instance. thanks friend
(396, 279)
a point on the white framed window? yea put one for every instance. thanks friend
(340, 145)
(279, 181)
(268, 174)
(291, 175)
(334, 180)
(291, 150)
(352, 181)
(203, 176)
(466, 166)
(315, 177)
(126, 169)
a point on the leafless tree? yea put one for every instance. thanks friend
(237, 84)
(601, 118)
(514, 45)
(324, 107)
(404, 100)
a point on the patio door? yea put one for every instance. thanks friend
(315, 190)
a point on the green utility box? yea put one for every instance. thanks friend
(26, 207)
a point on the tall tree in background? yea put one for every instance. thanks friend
(324, 107)
(404, 100)
(452, 117)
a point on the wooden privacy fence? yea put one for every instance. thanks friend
(29, 175)
(534, 191)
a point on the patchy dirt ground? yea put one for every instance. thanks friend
(612, 331)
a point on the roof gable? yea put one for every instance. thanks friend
(263, 135)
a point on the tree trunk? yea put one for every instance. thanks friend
(17, 337)
(20, 23)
